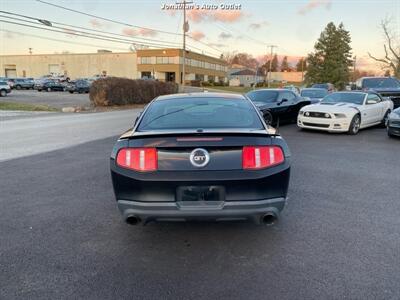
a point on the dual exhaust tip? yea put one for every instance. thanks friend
(267, 219)
(132, 220)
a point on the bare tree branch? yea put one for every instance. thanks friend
(379, 59)
(389, 39)
(390, 62)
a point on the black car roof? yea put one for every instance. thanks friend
(201, 95)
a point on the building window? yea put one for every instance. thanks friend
(145, 60)
(165, 60)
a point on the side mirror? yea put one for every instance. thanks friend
(282, 101)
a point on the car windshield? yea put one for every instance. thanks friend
(200, 113)
(263, 96)
(380, 83)
(314, 93)
(355, 98)
(320, 86)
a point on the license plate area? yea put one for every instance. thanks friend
(190, 194)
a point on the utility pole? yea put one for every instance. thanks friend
(185, 29)
(302, 69)
(270, 63)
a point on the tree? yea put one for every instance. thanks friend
(391, 61)
(331, 59)
(274, 63)
(244, 59)
(265, 67)
(284, 64)
(301, 65)
(387, 73)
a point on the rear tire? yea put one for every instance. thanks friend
(3, 93)
(49, 89)
(269, 119)
(18, 87)
(71, 92)
(355, 125)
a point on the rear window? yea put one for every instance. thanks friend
(380, 83)
(200, 113)
(263, 96)
(314, 93)
(320, 86)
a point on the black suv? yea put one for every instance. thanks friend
(49, 85)
(80, 86)
(386, 86)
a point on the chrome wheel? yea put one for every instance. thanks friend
(356, 125)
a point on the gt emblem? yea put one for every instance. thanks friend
(199, 157)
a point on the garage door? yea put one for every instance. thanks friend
(11, 73)
(54, 69)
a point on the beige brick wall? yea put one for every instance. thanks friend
(74, 65)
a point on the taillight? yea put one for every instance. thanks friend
(260, 157)
(138, 159)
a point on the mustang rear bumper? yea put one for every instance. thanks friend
(204, 210)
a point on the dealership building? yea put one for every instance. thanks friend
(161, 64)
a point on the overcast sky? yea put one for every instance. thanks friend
(292, 25)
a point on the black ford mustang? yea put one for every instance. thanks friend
(278, 104)
(200, 156)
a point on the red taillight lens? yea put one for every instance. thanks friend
(260, 157)
(138, 159)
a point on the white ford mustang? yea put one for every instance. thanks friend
(345, 112)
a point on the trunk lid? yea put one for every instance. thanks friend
(224, 149)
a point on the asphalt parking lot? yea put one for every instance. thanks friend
(53, 99)
(62, 236)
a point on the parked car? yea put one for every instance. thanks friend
(10, 82)
(393, 123)
(292, 88)
(49, 85)
(23, 83)
(385, 86)
(346, 112)
(80, 86)
(327, 86)
(277, 104)
(207, 156)
(4, 88)
(314, 94)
